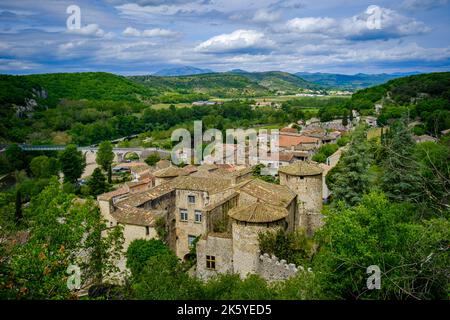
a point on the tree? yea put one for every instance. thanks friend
(140, 250)
(162, 278)
(105, 157)
(400, 179)
(44, 167)
(97, 183)
(15, 157)
(434, 171)
(349, 180)
(63, 232)
(18, 213)
(345, 119)
(319, 157)
(152, 159)
(412, 253)
(72, 163)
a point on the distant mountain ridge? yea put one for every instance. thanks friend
(181, 71)
(228, 84)
(350, 82)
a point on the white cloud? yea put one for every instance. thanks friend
(156, 32)
(310, 25)
(129, 31)
(391, 25)
(89, 30)
(239, 40)
(264, 16)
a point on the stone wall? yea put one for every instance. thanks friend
(246, 244)
(166, 203)
(221, 248)
(184, 229)
(219, 214)
(273, 269)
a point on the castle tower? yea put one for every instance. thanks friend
(246, 223)
(305, 179)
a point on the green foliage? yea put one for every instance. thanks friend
(400, 179)
(342, 141)
(139, 251)
(426, 96)
(44, 167)
(62, 232)
(97, 183)
(350, 179)
(410, 252)
(160, 227)
(434, 169)
(324, 152)
(72, 163)
(294, 247)
(15, 157)
(152, 159)
(105, 156)
(267, 178)
(162, 278)
(319, 157)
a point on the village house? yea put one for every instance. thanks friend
(224, 208)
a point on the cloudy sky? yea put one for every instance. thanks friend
(143, 36)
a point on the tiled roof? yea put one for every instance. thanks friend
(270, 193)
(109, 195)
(143, 197)
(287, 129)
(170, 172)
(163, 163)
(135, 216)
(211, 185)
(288, 140)
(282, 156)
(302, 168)
(258, 213)
(141, 168)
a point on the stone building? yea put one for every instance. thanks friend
(224, 209)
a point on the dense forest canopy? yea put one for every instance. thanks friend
(87, 108)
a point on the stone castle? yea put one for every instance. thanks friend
(224, 209)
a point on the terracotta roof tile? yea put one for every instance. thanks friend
(270, 193)
(258, 213)
(302, 168)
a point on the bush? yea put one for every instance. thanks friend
(139, 251)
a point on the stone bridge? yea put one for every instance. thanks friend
(91, 152)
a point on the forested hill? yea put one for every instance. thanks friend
(424, 97)
(211, 84)
(348, 82)
(228, 84)
(74, 86)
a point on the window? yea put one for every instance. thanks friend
(183, 215)
(147, 230)
(191, 240)
(191, 199)
(211, 262)
(198, 216)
